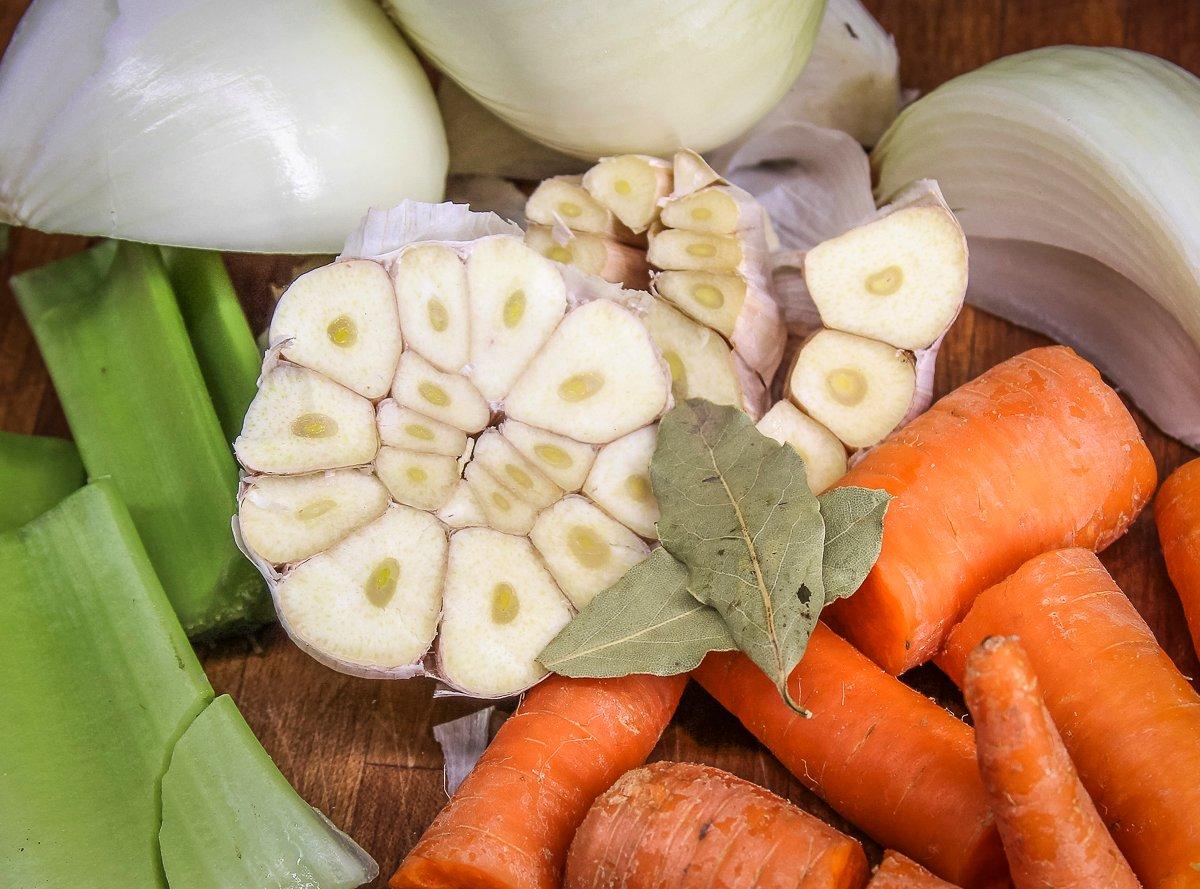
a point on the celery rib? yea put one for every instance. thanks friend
(36, 472)
(225, 348)
(115, 343)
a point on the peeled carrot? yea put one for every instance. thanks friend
(1177, 513)
(1037, 453)
(1128, 718)
(887, 758)
(898, 872)
(1052, 833)
(509, 824)
(674, 825)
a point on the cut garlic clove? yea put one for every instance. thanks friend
(502, 509)
(500, 608)
(562, 200)
(619, 482)
(597, 378)
(507, 466)
(563, 460)
(700, 362)
(431, 291)
(715, 300)
(631, 186)
(422, 481)
(371, 603)
(402, 427)
(592, 255)
(302, 422)
(462, 510)
(340, 320)
(674, 248)
(824, 456)
(857, 387)
(716, 210)
(517, 299)
(441, 396)
(900, 279)
(289, 518)
(586, 550)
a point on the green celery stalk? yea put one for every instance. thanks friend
(35, 473)
(97, 681)
(230, 819)
(113, 338)
(225, 347)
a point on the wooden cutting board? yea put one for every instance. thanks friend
(362, 751)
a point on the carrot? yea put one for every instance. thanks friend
(1037, 453)
(898, 872)
(1052, 833)
(509, 824)
(684, 826)
(1177, 513)
(1129, 720)
(887, 758)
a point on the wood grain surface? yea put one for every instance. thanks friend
(363, 751)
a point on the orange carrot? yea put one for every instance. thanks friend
(1052, 833)
(1128, 718)
(898, 872)
(1035, 454)
(887, 758)
(509, 824)
(684, 826)
(1177, 513)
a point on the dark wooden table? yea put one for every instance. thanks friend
(363, 751)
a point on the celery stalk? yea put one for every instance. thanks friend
(228, 355)
(115, 343)
(230, 819)
(35, 473)
(96, 682)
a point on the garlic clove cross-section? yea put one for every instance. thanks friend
(631, 187)
(823, 454)
(431, 291)
(619, 482)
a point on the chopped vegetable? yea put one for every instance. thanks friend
(1052, 833)
(35, 473)
(1177, 513)
(884, 756)
(690, 826)
(898, 872)
(230, 819)
(1128, 718)
(117, 139)
(102, 696)
(512, 819)
(1081, 229)
(576, 76)
(1037, 452)
(228, 355)
(114, 341)
(823, 454)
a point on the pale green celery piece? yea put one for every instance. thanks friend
(114, 341)
(225, 347)
(231, 820)
(36, 472)
(97, 681)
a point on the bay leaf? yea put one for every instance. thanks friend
(853, 537)
(738, 513)
(647, 622)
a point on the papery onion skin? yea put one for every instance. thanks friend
(1089, 150)
(621, 77)
(221, 124)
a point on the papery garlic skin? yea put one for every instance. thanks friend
(560, 72)
(1070, 156)
(221, 124)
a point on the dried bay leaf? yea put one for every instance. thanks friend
(853, 537)
(737, 511)
(647, 622)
